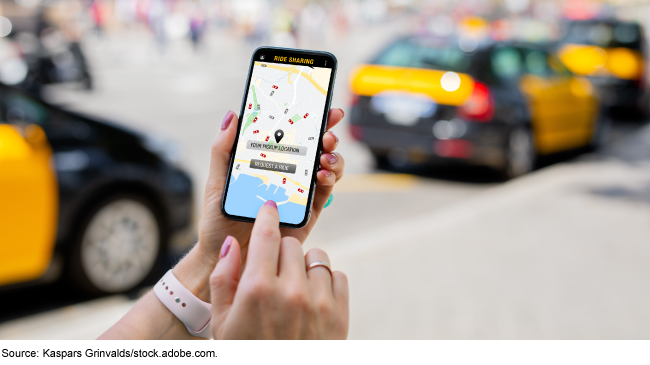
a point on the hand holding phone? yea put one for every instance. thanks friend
(279, 139)
(194, 270)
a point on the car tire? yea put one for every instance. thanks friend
(381, 160)
(520, 151)
(118, 246)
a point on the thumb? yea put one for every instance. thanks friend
(224, 281)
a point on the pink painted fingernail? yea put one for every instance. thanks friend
(327, 173)
(331, 158)
(226, 120)
(225, 248)
(271, 203)
(335, 137)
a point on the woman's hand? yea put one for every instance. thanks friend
(194, 270)
(276, 298)
(320, 300)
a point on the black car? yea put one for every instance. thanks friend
(120, 206)
(448, 100)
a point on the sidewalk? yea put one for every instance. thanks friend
(559, 254)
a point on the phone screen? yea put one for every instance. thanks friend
(278, 142)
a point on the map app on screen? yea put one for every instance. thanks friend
(278, 140)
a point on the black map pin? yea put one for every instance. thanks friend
(278, 135)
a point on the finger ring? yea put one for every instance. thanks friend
(319, 263)
(329, 201)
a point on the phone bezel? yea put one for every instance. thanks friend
(289, 52)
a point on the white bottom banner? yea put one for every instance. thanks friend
(326, 352)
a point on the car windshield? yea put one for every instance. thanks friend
(604, 34)
(18, 108)
(420, 54)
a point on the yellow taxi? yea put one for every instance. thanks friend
(612, 55)
(84, 198)
(448, 100)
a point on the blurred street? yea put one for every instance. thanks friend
(431, 252)
(560, 253)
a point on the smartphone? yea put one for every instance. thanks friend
(280, 134)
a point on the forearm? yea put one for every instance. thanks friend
(149, 319)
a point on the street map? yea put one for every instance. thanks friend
(277, 146)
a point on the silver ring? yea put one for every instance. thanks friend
(319, 263)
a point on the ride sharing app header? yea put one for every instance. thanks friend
(279, 138)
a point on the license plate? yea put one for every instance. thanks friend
(403, 108)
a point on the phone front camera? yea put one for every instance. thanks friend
(261, 57)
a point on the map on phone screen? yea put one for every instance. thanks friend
(278, 140)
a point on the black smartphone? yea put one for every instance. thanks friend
(280, 134)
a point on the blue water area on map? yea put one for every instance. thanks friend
(243, 201)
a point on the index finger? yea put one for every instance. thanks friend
(264, 245)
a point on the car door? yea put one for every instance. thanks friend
(28, 200)
(563, 107)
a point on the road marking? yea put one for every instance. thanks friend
(366, 183)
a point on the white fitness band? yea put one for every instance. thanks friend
(192, 311)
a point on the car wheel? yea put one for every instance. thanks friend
(520, 153)
(118, 245)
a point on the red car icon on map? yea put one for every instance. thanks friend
(267, 138)
(306, 115)
(254, 120)
(275, 87)
(290, 121)
(256, 131)
(284, 180)
(300, 190)
(250, 106)
(263, 155)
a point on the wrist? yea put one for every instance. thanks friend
(171, 328)
(193, 271)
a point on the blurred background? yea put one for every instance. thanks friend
(497, 158)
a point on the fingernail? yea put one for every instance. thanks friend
(342, 112)
(226, 246)
(271, 203)
(226, 120)
(327, 173)
(335, 137)
(331, 158)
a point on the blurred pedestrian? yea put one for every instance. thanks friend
(197, 27)
(98, 13)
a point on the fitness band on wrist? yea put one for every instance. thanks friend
(192, 311)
